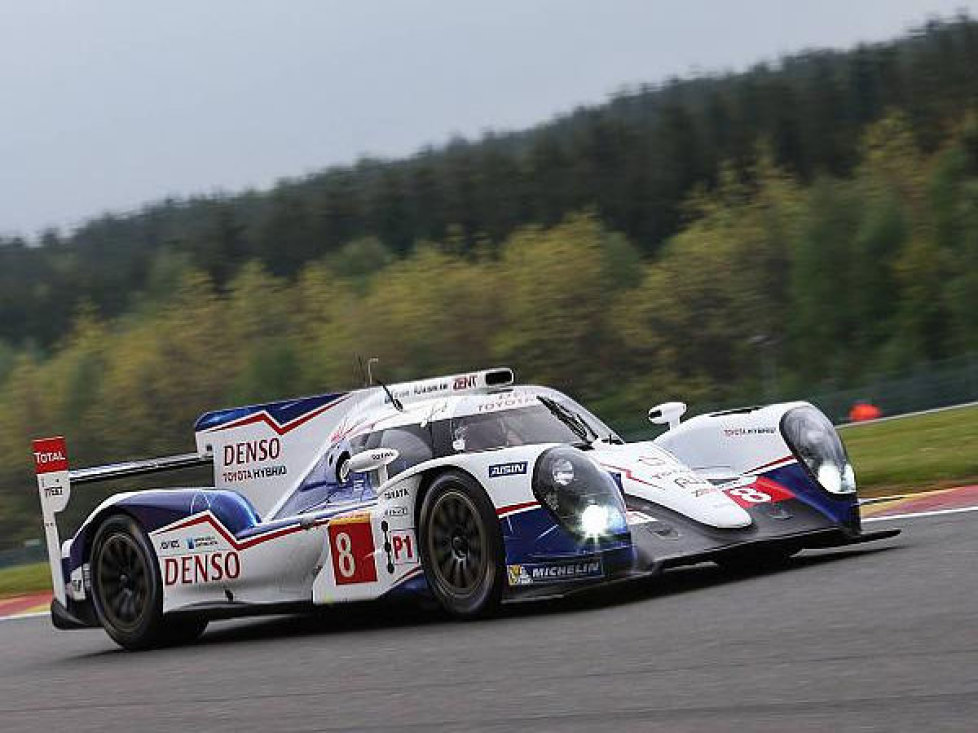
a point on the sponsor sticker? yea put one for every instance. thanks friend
(761, 491)
(495, 403)
(404, 547)
(517, 576)
(654, 461)
(695, 485)
(201, 541)
(465, 382)
(528, 574)
(243, 461)
(400, 546)
(252, 451)
(209, 567)
(744, 432)
(351, 545)
(251, 474)
(421, 388)
(50, 455)
(514, 468)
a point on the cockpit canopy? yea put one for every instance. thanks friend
(464, 424)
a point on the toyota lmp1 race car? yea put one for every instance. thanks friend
(465, 488)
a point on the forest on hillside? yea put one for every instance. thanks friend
(665, 244)
(634, 161)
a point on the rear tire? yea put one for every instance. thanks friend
(461, 546)
(127, 591)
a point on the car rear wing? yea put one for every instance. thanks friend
(54, 480)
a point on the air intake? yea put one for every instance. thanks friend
(499, 377)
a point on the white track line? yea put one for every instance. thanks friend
(913, 515)
(915, 495)
(883, 499)
(19, 616)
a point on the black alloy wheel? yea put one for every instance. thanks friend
(461, 546)
(126, 586)
(123, 577)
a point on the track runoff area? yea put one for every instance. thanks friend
(881, 509)
(869, 638)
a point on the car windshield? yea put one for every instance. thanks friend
(545, 421)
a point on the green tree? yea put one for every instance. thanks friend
(555, 313)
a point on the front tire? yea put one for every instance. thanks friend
(461, 546)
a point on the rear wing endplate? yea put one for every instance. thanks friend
(54, 480)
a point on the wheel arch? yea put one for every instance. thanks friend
(146, 626)
(482, 574)
(91, 527)
(428, 477)
(472, 465)
(80, 555)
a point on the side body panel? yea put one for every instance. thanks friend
(263, 451)
(744, 444)
(213, 550)
(730, 444)
(652, 473)
(538, 551)
(202, 563)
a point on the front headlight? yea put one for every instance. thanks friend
(814, 441)
(584, 498)
(595, 520)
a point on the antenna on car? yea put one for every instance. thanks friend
(390, 395)
(364, 382)
(370, 363)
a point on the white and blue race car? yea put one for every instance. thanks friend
(465, 488)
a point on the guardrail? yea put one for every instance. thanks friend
(887, 418)
(23, 555)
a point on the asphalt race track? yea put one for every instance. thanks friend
(880, 638)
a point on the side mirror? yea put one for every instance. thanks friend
(376, 459)
(668, 413)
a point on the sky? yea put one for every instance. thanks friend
(106, 105)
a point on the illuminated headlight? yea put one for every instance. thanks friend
(814, 441)
(582, 497)
(595, 520)
(830, 477)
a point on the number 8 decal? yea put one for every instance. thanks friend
(762, 491)
(347, 565)
(351, 545)
(749, 493)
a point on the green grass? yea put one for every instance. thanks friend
(25, 579)
(915, 453)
